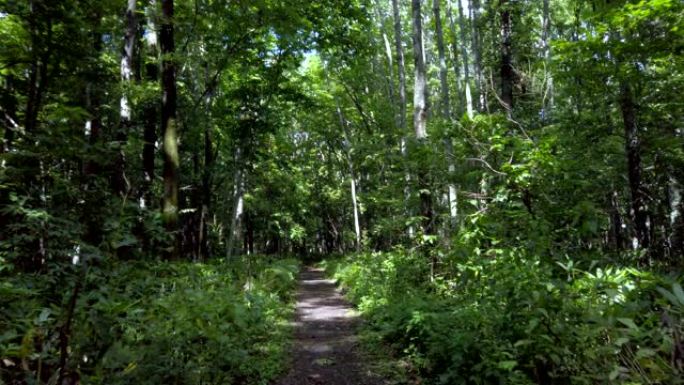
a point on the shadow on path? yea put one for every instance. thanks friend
(325, 345)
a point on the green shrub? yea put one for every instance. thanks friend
(154, 323)
(515, 320)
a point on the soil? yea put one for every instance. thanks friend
(326, 347)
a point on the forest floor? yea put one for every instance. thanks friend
(327, 347)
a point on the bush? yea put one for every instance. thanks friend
(152, 323)
(514, 320)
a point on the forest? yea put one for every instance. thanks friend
(495, 186)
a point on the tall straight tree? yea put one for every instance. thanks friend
(420, 92)
(401, 66)
(637, 188)
(547, 98)
(168, 127)
(151, 108)
(506, 58)
(474, 7)
(466, 60)
(120, 182)
(420, 110)
(446, 106)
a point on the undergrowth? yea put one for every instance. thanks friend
(515, 320)
(151, 323)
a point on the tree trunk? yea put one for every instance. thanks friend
(616, 222)
(466, 60)
(474, 7)
(236, 213)
(420, 108)
(168, 129)
(443, 81)
(638, 191)
(120, 183)
(506, 58)
(446, 109)
(402, 104)
(203, 251)
(9, 115)
(456, 63)
(151, 110)
(420, 112)
(352, 180)
(547, 102)
(401, 65)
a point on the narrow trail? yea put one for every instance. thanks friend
(326, 349)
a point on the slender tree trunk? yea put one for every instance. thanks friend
(236, 213)
(676, 221)
(420, 107)
(352, 178)
(616, 221)
(390, 64)
(120, 183)
(456, 61)
(203, 251)
(41, 52)
(9, 115)
(420, 111)
(388, 52)
(400, 64)
(443, 81)
(474, 7)
(466, 60)
(446, 109)
(151, 110)
(168, 129)
(638, 191)
(355, 206)
(506, 58)
(548, 100)
(402, 104)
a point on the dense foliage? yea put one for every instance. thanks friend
(151, 323)
(508, 172)
(514, 320)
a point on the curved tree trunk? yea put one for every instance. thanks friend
(168, 129)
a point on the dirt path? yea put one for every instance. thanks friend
(325, 346)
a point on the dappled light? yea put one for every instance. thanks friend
(362, 192)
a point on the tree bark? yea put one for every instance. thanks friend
(637, 189)
(400, 64)
(466, 60)
(207, 173)
(474, 7)
(420, 93)
(151, 110)
(168, 129)
(446, 109)
(236, 213)
(547, 102)
(506, 58)
(420, 112)
(443, 81)
(352, 178)
(402, 105)
(9, 115)
(120, 182)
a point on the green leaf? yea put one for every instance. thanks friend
(670, 297)
(677, 289)
(628, 322)
(507, 365)
(645, 352)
